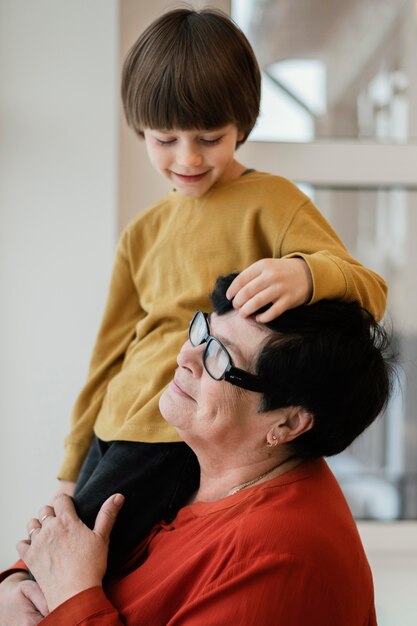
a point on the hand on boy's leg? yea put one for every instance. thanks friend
(282, 283)
(65, 556)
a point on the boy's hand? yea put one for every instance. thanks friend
(283, 283)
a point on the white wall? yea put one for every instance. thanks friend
(391, 548)
(58, 169)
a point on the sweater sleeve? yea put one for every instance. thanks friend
(121, 314)
(336, 274)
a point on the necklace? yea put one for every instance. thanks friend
(251, 482)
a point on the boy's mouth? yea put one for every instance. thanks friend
(187, 178)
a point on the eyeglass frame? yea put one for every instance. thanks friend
(233, 375)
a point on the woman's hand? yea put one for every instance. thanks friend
(282, 283)
(21, 601)
(63, 554)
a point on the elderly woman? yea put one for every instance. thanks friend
(267, 538)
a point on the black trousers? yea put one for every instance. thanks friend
(155, 478)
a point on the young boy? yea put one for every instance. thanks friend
(191, 89)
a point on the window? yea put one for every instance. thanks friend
(333, 69)
(378, 472)
(339, 116)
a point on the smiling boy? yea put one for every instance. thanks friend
(194, 161)
(191, 89)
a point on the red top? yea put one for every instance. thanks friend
(286, 552)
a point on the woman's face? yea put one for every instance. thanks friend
(203, 409)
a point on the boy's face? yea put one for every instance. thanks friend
(194, 160)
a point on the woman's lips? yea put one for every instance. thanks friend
(176, 388)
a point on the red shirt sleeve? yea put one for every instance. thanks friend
(19, 566)
(88, 608)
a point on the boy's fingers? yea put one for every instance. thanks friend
(256, 296)
(254, 303)
(274, 311)
(107, 516)
(241, 280)
(252, 289)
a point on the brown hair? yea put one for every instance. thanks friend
(191, 70)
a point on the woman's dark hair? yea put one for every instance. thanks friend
(191, 70)
(331, 358)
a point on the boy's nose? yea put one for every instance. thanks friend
(189, 157)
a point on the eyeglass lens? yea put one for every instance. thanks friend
(198, 329)
(216, 359)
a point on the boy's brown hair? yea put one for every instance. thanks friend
(191, 70)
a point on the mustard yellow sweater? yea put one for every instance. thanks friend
(166, 264)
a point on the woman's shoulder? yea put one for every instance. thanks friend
(303, 513)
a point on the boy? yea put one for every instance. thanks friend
(191, 89)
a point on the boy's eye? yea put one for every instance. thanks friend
(210, 142)
(206, 141)
(164, 142)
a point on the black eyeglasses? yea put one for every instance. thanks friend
(216, 359)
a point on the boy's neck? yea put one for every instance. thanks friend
(236, 171)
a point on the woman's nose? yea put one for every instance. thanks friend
(191, 358)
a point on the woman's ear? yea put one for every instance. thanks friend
(293, 422)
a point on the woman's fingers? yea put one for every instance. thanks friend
(31, 590)
(107, 516)
(33, 526)
(45, 512)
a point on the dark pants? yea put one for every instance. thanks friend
(155, 478)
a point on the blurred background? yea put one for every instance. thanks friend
(338, 117)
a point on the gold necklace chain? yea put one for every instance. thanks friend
(248, 483)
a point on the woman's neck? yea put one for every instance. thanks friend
(218, 484)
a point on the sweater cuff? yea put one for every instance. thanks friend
(73, 459)
(329, 281)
